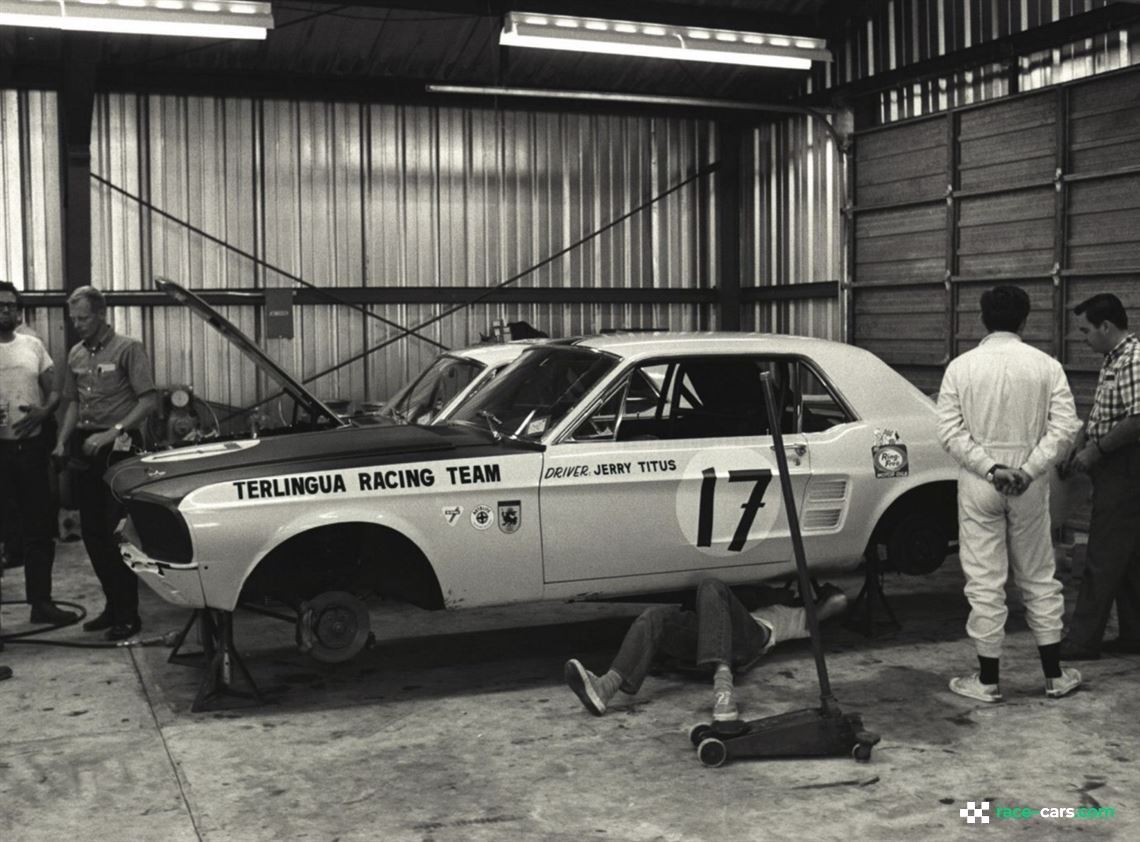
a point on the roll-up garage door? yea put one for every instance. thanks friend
(1041, 190)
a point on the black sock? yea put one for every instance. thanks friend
(989, 672)
(1051, 659)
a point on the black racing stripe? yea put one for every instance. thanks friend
(176, 488)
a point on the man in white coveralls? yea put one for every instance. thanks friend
(1006, 415)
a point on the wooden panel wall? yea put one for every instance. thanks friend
(1041, 190)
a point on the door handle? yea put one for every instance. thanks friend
(798, 451)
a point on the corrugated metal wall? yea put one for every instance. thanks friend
(31, 221)
(793, 226)
(1041, 190)
(348, 195)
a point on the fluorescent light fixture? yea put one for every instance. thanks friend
(191, 18)
(653, 40)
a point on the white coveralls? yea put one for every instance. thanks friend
(1007, 403)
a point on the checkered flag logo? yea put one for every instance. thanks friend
(975, 813)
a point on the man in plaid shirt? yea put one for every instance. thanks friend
(1108, 449)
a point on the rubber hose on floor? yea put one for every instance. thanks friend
(25, 637)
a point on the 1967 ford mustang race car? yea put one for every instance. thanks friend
(600, 466)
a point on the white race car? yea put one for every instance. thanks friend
(596, 467)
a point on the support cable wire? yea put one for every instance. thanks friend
(323, 291)
(701, 173)
(404, 332)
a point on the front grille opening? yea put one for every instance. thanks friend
(161, 531)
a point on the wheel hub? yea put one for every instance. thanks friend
(333, 627)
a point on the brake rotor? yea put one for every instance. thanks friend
(333, 627)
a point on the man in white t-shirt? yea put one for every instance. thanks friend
(28, 397)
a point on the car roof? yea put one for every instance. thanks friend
(495, 353)
(870, 386)
(712, 342)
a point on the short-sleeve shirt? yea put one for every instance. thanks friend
(1117, 388)
(22, 361)
(106, 378)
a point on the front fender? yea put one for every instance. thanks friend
(224, 565)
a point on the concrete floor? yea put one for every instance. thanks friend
(458, 727)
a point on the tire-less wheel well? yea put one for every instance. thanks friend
(360, 558)
(918, 527)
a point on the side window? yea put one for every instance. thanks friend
(634, 406)
(695, 397)
(602, 423)
(819, 409)
(715, 397)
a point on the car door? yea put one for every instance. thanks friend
(673, 471)
(841, 463)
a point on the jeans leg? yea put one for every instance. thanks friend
(665, 629)
(728, 634)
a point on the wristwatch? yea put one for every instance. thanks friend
(119, 428)
(990, 473)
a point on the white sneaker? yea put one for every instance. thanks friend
(585, 686)
(724, 706)
(1069, 681)
(972, 688)
(832, 602)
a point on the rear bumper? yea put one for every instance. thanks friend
(176, 583)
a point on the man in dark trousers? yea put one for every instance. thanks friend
(721, 635)
(109, 390)
(28, 397)
(1108, 449)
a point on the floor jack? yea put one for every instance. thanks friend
(813, 732)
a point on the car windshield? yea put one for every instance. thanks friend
(536, 391)
(435, 388)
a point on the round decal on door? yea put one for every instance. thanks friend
(728, 500)
(482, 517)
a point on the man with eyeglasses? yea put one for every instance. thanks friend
(28, 397)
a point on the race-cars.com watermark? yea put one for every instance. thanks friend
(982, 812)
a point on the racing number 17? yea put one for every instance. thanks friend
(760, 476)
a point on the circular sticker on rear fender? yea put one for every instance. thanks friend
(728, 500)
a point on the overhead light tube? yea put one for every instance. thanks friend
(655, 40)
(243, 19)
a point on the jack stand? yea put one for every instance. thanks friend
(218, 659)
(863, 616)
